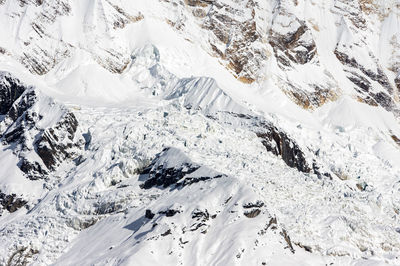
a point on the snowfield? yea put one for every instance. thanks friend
(126, 140)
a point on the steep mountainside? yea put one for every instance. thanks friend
(199, 132)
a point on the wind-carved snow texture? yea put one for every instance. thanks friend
(199, 132)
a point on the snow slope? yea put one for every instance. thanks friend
(142, 134)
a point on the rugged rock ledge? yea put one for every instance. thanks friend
(41, 149)
(11, 202)
(172, 168)
(10, 90)
(280, 144)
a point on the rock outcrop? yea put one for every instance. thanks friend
(362, 65)
(366, 80)
(11, 202)
(235, 36)
(294, 45)
(41, 132)
(248, 37)
(280, 144)
(10, 90)
(172, 168)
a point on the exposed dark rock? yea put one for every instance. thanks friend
(257, 204)
(33, 170)
(378, 76)
(162, 174)
(197, 226)
(271, 222)
(200, 215)
(280, 144)
(275, 140)
(228, 199)
(170, 212)
(351, 9)
(310, 99)
(362, 186)
(360, 76)
(200, 3)
(236, 30)
(306, 248)
(13, 131)
(40, 61)
(115, 61)
(166, 177)
(287, 239)
(88, 223)
(291, 38)
(293, 47)
(18, 109)
(149, 214)
(183, 242)
(168, 232)
(397, 82)
(11, 202)
(10, 90)
(53, 146)
(22, 256)
(252, 213)
(396, 139)
(360, 81)
(123, 18)
(191, 180)
(20, 130)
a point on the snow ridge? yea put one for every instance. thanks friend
(199, 132)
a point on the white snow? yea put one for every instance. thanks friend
(92, 213)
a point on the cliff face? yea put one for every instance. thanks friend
(41, 133)
(199, 132)
(337, 45)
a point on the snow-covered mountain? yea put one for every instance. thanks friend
(199, 132)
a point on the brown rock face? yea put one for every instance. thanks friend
(41, 58)
(309, 100)
(362, 78)
(235, 32)
(280, 144)
(252, 213)
(353, 11)
(42, 48)
(249, 38)
(292, 41)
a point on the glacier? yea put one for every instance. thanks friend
(199, 132)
